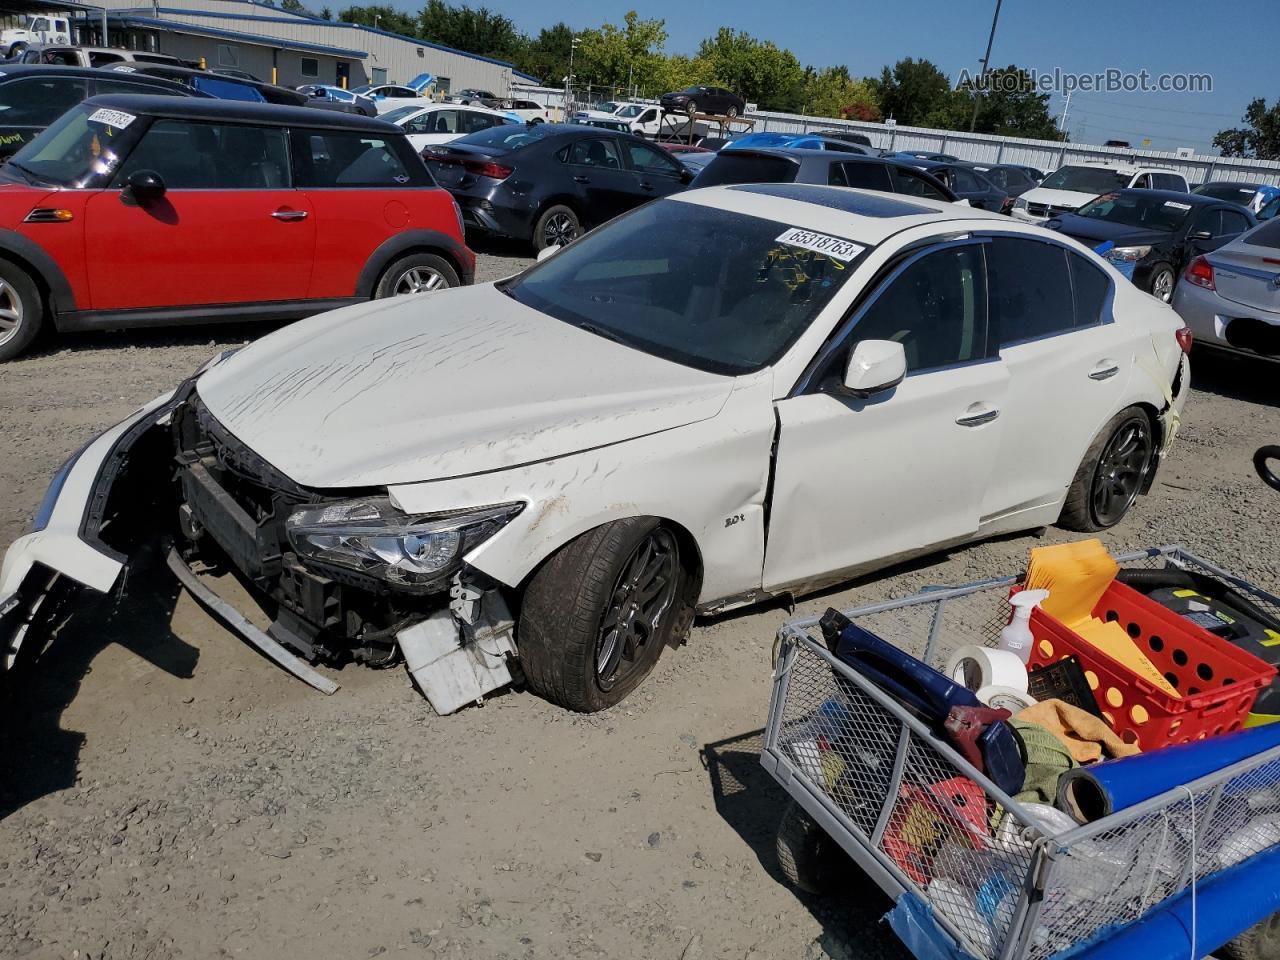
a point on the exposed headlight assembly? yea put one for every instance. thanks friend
(1019, 204)
(412, 552)
(1127, 254)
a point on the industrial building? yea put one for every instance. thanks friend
(282, 46)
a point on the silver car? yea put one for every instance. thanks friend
(1230, 298)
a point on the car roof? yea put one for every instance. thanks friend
(181, 108)
(1195, 199)
(11, 71)
(867, 216)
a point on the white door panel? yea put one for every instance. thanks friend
(858, 481)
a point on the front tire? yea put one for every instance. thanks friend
(416, 273)
(597, 615)
(731, 113)
(21, 310)
(691, 108)
(557, 226)
(1113, 473)
(1162, 283)
(1259, 942)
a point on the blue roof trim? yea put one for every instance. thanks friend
(416, 41)
(254, 38)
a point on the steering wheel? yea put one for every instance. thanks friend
(1264, 470)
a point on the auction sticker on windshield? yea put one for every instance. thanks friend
(1176, 205)
(821, 243)
(112, 118)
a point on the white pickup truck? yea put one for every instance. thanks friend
(645, 119)
(36, 30)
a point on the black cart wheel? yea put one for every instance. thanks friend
(1264, 469)
(1112, 474)
(809, 859)
(1259, 942)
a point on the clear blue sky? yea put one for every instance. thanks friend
(1234, 42)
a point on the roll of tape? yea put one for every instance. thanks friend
(1005, 698)
(976, 667)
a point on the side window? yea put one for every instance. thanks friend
(1143, 182)
(101, 58)
(420, 124)
(964, 181)
(595, 153)
(1030, 290)
(648, 116)
(39, 24)
(207, 156)
(936, 309)
(865, 176)
(443, 121)
(647, 159)
(333, 158)
(904, 181)
(38, 101)
(471, 122)
(1091, 287)
(1208, 222)
(1233, 223)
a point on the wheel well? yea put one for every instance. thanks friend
(561, 201)
(411, 251)
(38, 278)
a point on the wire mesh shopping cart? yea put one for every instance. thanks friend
(970, 867)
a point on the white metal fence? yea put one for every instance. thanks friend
(986, 148)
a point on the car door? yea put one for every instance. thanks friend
(603, 180)
(1068, 363)
(230, 228)
(858, 482)
(655, 174)
(437, 126)
(1215, 228)
(363, 188)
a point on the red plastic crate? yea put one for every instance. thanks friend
(1217, 680)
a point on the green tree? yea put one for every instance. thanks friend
(326, 13)
(293, 6)
(911, 90)
(621, 55)
(1010, 106)
(382, 17)
(832, 92)
(756, 69)
(546, 56)
(473, 29)
(1259, 139)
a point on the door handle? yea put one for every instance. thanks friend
(1105, 370)
(290, 215)
(581, 179)
(646, 185)
(977, 414)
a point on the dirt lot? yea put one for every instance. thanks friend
(166, 792)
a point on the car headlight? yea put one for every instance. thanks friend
(1127, 254)
(1019, 204)
(412, 552)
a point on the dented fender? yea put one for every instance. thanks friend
(709, 477)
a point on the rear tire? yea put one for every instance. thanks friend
(597, 614)
(416, 273)
(21, 310)
(691, 108)
(1259, 942)
(1112, 474)
(731, 113)
(556, 226)
(809, 859)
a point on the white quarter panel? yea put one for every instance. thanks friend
(709, 477)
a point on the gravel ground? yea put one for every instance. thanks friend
(166, 792)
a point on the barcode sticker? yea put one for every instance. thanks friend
(112, 118)
(821, 243)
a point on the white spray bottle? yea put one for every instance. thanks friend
(1016, 637)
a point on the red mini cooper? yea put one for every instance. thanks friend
(147, 210)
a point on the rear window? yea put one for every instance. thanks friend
(1236, 193)
(1267, 235)
(335, 158)
(865, 176)
(508, 137)
(732, 167)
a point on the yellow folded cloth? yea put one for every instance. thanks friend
(1087, 737)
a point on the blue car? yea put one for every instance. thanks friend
(1252, 196)
(794, 141)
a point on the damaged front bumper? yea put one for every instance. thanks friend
(170, 473)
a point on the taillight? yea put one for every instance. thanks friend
(1007, 206)
(1200, 272)
(1185, 338)
(495, 170)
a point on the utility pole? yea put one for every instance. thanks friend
(973, 122)
(568, 80)
(1066, 109)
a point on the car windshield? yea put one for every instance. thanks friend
(81, 145)
(628, 112)
(723, 292)
(363, 88)
(507, 137)
(1146, 211)
(400, 113)
(1093, 180)
(1235, 192)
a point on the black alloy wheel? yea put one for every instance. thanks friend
(641, 599)
(1122, 468)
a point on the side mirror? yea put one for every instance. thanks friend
(875, 366)
(548, 252)
(686, 175)
(143, 186)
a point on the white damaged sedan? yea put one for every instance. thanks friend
(725, 395)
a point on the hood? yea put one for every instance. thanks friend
(443, 385)
(1058, 198)
(1092, 232)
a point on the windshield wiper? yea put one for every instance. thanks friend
(27, 175)
(601, 332)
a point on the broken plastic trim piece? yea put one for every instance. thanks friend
(232, 617)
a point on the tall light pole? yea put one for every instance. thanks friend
(568, 96)
(973, 121)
